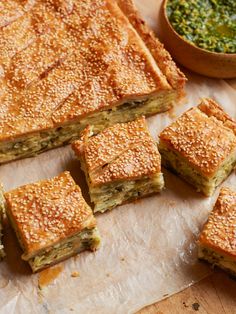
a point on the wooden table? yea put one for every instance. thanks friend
(215, 294)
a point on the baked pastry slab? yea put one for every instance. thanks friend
(217, 242)
(121, 164)
(200, 146)
(52, 221)
(2, 210)
(67, 64)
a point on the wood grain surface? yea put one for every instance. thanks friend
(215, 294)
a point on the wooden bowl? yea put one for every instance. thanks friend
(212, 64)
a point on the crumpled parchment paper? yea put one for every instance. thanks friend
(148, 248)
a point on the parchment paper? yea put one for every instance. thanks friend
(148, 248)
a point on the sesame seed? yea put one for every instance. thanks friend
(220, 229)
(48, 211)
(202, 136)
(123, 151)
(61, 60)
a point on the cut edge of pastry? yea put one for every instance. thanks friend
(173, 161)
(190, 171)
(215, 258)
(32, 144)
(60, 131)
(86, 234)
(106, 196)
(87, 239)
(128, 191)
(84, 237)
(216, 242)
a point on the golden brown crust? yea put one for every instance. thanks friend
(212, 109)
(47, 212)
(174, 76)
(219, 232)
(124, 151)
(12, 10)
(61, 61)
(204, 136)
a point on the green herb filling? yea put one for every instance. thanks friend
(209, 24)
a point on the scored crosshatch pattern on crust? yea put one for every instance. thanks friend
(125, 151)
(164, 271)
(63, 60)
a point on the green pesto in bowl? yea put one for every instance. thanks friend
(208, 24)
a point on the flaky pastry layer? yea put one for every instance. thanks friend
(122, 163)
(47, 213)
(219, 231)
(201, 146)
(63, 63)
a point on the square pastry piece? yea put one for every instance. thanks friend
(217, 242)
(122, 163)
(200, 146)
(52, 221)
(2, 209)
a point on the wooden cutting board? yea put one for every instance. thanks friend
(215, 294)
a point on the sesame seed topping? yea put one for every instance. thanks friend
(61, 60)
(220, 229)
(202, 137)
(48, 211)
(123, 151)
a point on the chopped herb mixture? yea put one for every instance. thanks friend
(209, 24)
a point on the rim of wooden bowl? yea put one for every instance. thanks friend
(188, 42)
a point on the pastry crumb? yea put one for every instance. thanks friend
(75, 274)
(195, 306)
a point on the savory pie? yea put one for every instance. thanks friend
(67, 64)
(217, 242)
(52, 221)
(121, 164)
(200, 146)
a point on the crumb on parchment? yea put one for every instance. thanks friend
(75, 274)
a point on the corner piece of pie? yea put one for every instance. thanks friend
(200, 146)
(67, 64)
(217, 242)
(51, 220)
(121, 164)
